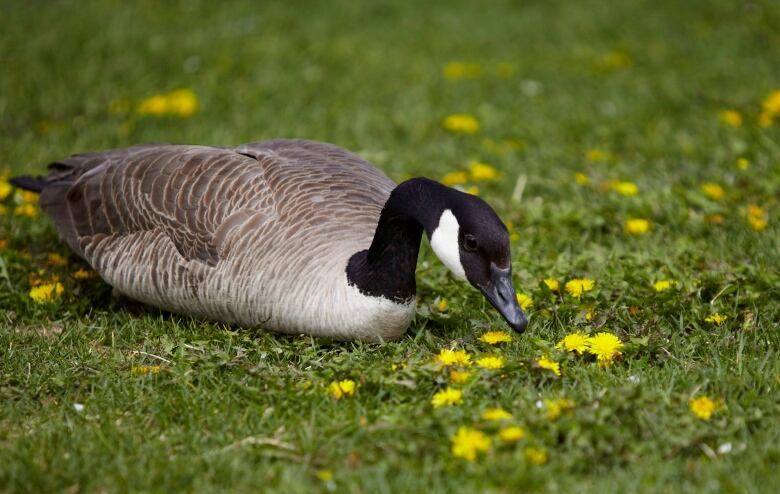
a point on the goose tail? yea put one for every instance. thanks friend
(28, 182)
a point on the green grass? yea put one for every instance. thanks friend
(239, 409)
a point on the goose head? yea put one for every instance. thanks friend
(472, 241)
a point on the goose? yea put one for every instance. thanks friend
(292, 236)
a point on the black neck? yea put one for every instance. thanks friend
(387, 268)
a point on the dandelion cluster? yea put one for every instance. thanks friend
(447, 397)
(342, 389)
(180, 103)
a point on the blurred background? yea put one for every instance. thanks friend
(643, 81)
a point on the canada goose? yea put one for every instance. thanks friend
(289, 235)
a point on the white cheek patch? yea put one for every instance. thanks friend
(444, 242)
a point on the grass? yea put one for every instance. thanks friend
(230, 408)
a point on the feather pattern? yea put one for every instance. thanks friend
(258, 235)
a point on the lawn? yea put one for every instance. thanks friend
(633, 143)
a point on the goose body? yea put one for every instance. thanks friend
(285, 235)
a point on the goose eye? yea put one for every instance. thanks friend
(470, 243)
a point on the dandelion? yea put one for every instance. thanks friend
(142, 370)
(495, 337)
(5, 189)
(627, 189)
(743, 163)
(716, 319)
(460, 70)
(496, 415)
(757, 217)
(577, 286)
(713, 191)
(459, 377)
(556, 407)
(590, 314)
(341, 389)
(663, 285)
(181, 102)
(581, 178)
(28, 210)
(574, 342)
(82, 274)
(703, 407)
(455, 178)
(491, 362)
(732, 118)
(636, 226)
(447, 397)
(536, 456)
(770, 108)
(46, 292)
(442, 305)
(56, 260)
(324, 475)
(596, 155)
(27, 197)
(552, 284)
(525, 301)
(461, 123)
(453, 357)
(551, 365)
(511, 434)
(467, 442)
(605, 346)
(481, 172)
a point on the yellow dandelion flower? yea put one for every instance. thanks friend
(481, 172)
(590, 314)
(525, 301)
(28, 210)
(324, 475)
(581, 178)
(771, 104)
(627, 189)
(511, 434)
(455, 178)
(5, 189)
(461, 70)
(453, 357)
(46, 292)
(732, 118)
(552, 284)
(605, 346)
(461, 123)
(713, 191)
(577, 286)
(636, 226)
(743, 163)
(537, 456)
(496, 414)
(495, 337)
(663, 285)
(55, 260)
(716, 319)
(551, 365)
(154, 105)
(491, 362)
(556, 407)
(82, 274)
(757, 217)
(447, 397)
(703, 407)
(142, 370)
(596, 155)
(574, 342)
(758, 224)
(341, 389)
(182, 102)
(459, 377)
(468, 442)
(442, 305)
(27, 197)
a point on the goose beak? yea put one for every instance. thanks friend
(501, 294)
